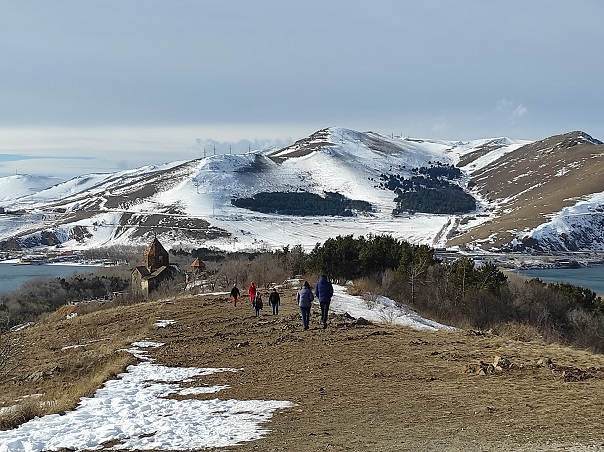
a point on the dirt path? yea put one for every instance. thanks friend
(379, 387)
(356, 387)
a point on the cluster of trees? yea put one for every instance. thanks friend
(439, 170)
(302, 204)
(462, 293)
(443, 200)
(44, 295)
(429, 191)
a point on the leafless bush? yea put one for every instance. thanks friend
(519, 331)
(266, 269)
(370, 299)
(389, 316)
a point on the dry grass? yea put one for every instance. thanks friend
(535, 183)
(373, 387)
(67, 356)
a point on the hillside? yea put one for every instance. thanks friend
(528, 196)
(550, 184)
(355, 386)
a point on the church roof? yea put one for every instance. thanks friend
(198, 263)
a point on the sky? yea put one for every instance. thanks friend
(134, 408)
(99, 86)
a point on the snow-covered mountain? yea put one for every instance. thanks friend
(188, 204)
(20, 185)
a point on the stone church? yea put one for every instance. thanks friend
(154, 270)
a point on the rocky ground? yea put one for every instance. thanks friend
(356, 386)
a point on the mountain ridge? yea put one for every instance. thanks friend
(520, 186)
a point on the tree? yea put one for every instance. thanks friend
(414, 263)
(337, 257)
(462, 275)
(379, 253)
(489, 277)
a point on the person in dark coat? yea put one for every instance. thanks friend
(258, 304)
(324, 292)
(275, 300)
(304, 298)
(235, 293)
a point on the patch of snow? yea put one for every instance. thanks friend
(380, 309)
(136, 411)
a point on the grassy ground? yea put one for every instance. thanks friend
(356, 387)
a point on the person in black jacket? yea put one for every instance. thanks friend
(235, 294)
(324, 292)
(258, 304)
(275, 300)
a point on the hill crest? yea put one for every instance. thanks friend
(520, 186)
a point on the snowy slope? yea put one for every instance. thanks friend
(19, 185)
(188, 204)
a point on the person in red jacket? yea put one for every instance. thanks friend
(252, 292)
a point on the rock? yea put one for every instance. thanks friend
(544, 361)
(501, 363)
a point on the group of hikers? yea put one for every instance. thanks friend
(304, 298)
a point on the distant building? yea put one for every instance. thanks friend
(198, 266)
(154, 270)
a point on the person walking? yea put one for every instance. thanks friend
(324, 292)
(275, 300)
(258, 305)
(235, 294)
(252, 292)
(304, 297)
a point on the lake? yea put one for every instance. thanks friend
(591, 277)
(12, 276)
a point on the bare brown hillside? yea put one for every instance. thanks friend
(356, 387)
(532, 183)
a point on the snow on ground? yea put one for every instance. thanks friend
(135, 410)
(13, 187)
(582, 216)
(380, 309)
(351, 165)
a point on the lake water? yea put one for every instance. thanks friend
(12, 277)
(589, 277)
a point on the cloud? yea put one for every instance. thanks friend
(504, 104)
(511, 109)
(519, 111)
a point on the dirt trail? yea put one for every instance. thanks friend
(368, 387)
(380, 387)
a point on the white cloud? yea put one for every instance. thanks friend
(519, 111)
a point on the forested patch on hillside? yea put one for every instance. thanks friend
(302, 204)
(429, 190)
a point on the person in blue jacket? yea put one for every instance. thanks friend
(324, 292)
(304, 297)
